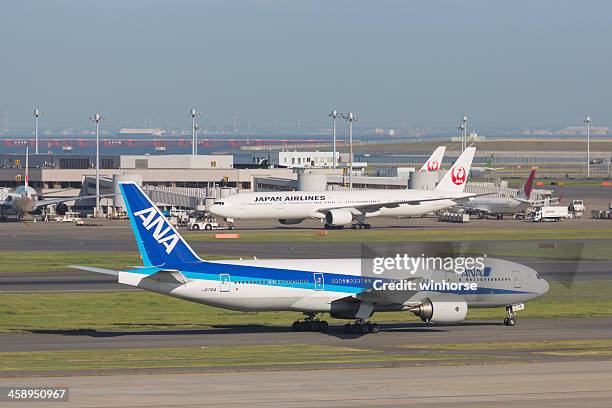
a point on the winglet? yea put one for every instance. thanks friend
(457, 176)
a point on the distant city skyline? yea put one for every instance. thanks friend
(276, 64)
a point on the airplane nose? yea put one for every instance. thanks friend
(216, 209)
(545, 287)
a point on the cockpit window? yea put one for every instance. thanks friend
(219, 203)
(538, 276)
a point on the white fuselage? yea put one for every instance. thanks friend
(492, 205)
(319, 283)
(306, 204)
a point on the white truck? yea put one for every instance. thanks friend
(207, 224)
(551, 213)
(68, 217)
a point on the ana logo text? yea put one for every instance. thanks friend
(166, 237)
(477, 272)
(458, 175)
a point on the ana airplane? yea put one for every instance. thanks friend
(499, 206)
(24, 199)
(339, 208)
(344, 288)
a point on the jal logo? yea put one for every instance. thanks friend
(163, 236)
(433, 165)
(458, 175)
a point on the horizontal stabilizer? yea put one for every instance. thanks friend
(96, 270)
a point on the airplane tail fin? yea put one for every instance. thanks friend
(158, 242)
(435, 160)
(457, 176)
(526, 190)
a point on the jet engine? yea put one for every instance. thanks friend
(445, 309)
(290, 221)
(61, 209)
(338, 217)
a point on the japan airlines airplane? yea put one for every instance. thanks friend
(499, 206)
(24, 199)
(339, 208)
(344, 288)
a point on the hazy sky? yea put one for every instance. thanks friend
(514, 63)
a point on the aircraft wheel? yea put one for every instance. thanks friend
(323, 326)
(312, 325)
(354, 226)
(374, 328)
(368, 226)
(510, 321)
(296, 326)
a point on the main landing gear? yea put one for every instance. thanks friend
(360, 225)
(361, 327)
(510, 319)
(310, 324)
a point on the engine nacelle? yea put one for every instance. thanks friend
(290, 221)
(338, 218)
(447, 309)
(61, 209)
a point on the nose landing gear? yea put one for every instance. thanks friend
(511, 310)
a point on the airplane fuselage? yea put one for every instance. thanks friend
(324, 285)
(302, 204)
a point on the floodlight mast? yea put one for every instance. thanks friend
(334, 115)
(194, 131)
(96, 118)
(587, 120)
(465, 129)
(37, 114)
(350, 117)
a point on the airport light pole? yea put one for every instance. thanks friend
(350, 118)
(334, 115)
(462, 128)
(97, 118)
(194, 134)
(464, 124)
(587, 120)
(37, 115)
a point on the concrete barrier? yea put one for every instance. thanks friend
(454, 217)
(227, 236)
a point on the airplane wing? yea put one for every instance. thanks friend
(44, 203)
(366, 208)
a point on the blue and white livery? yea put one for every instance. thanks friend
(339, 287)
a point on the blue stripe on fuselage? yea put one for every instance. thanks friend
(292, 278)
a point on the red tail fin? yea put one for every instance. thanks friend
(529, 184)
